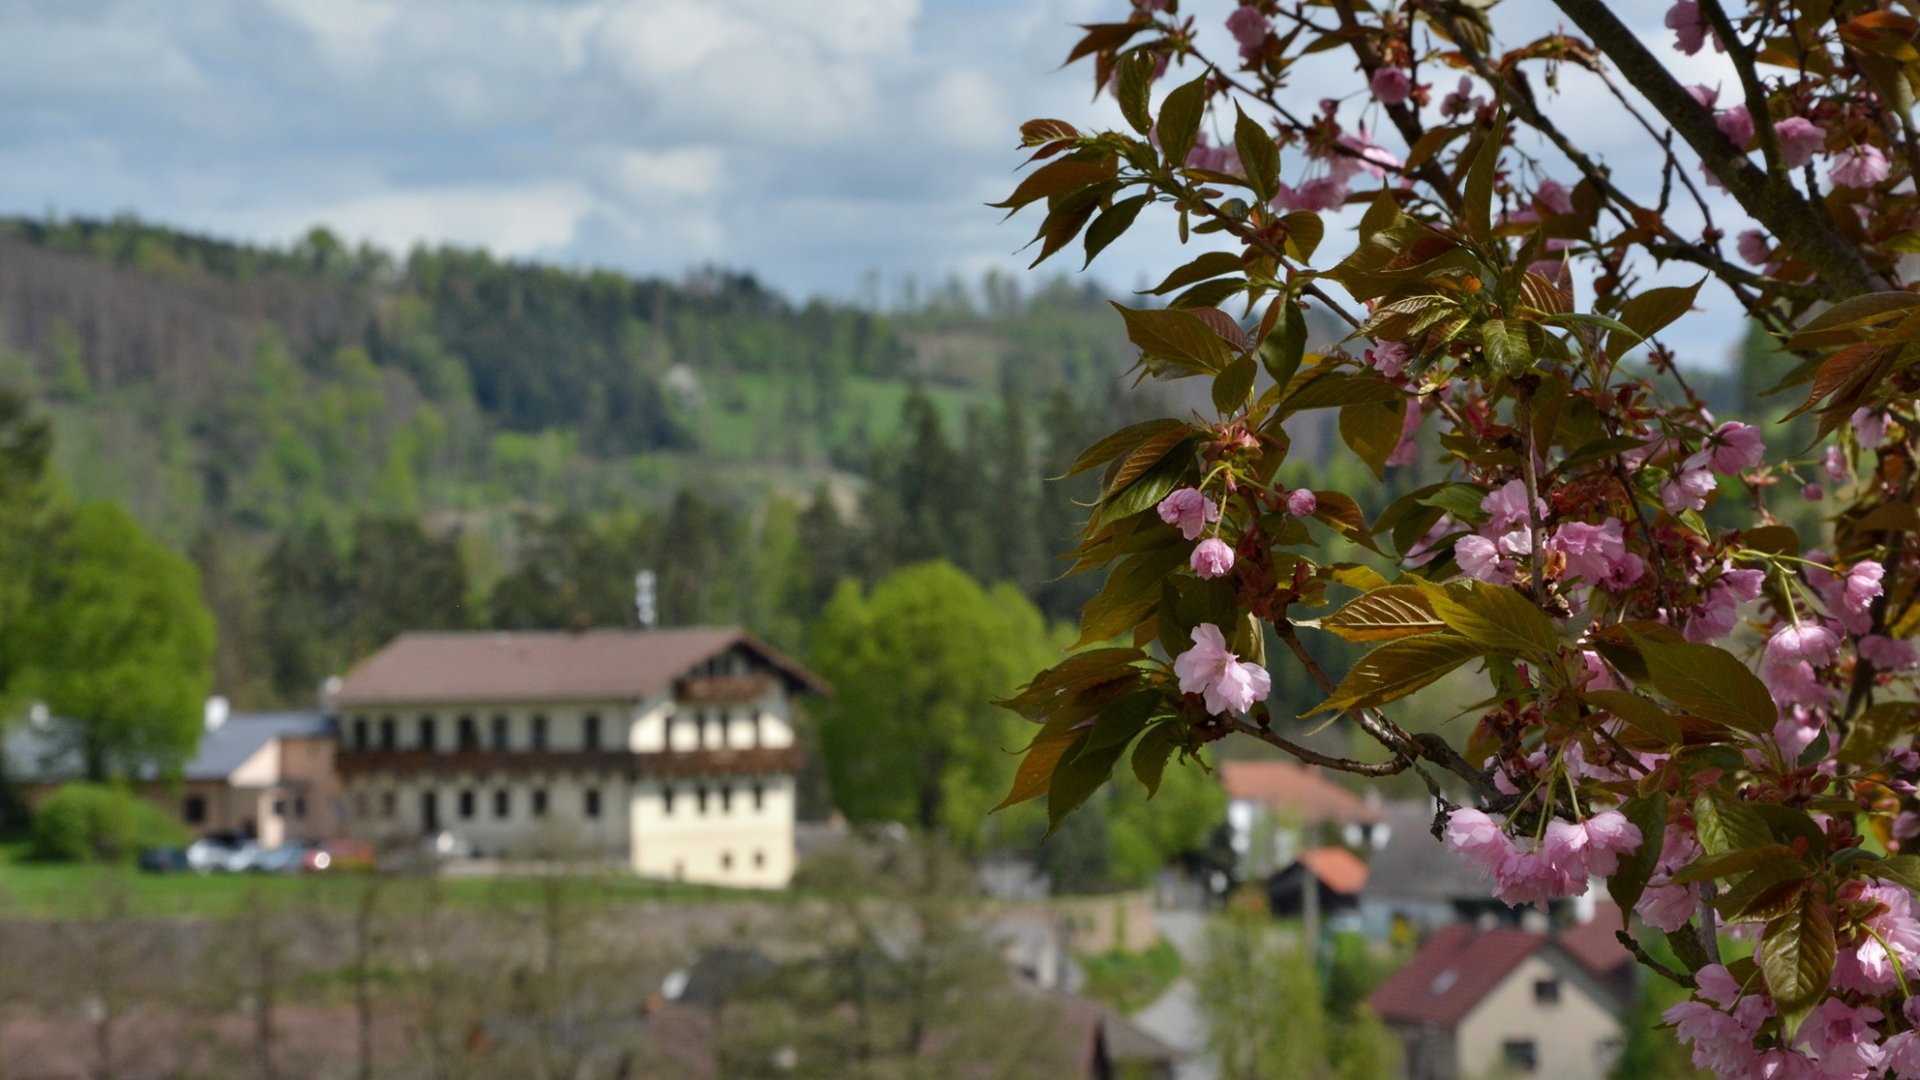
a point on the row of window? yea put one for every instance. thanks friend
(194, 808)
(704, 800)
(384, 734)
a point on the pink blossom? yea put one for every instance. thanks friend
(1462, 100)
(1553, 195)
(1737, 125)
(1367, 157)
(1689, 29)
(1391, 86)
(1506, 505)
(1862, 587)
(1812, 492)
(1475, 837)
(1869, 426)
(1666, 905)
(1212, 558)
(1596, 553)
(1250, 29)
(1302, 502)
(1835, 465)
(1799, 139)
(1405, 450)
(1889, 654)
(1190, 510)
(1752, 246)
(1719, 1042)
(1903, 1054)
(1687, 490)
(1535, 877)
(1858, 167)
(1732, 447)
(1791, 662)
(1843, 1038)
(1424, 549)
(1797, 729)
(1228, 684)
(1869, 966)
(1480, 560)
(1716, 984)
(1324, 193)
(1223, 159)
(1389, 358)
(1609, 836)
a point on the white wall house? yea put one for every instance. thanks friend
(670, 750)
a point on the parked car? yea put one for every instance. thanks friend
(339, 855)
(164, 860)
(210, 853)
(243, 858)
(285, 859)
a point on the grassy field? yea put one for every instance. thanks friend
(73, 891)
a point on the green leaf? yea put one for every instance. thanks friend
(1111, 223)
(1286, 344)
(1336, 389)
(1121, 720)
(1797, 954)
(1150, 756)
(1836, 325)
(1372, 431)
(1899, 869)
(1258, 155)
(1496, 618)
(1080, 773)
(1874, 731)
(1180, 115)
(1507, 347)
(1305, 230)
(1636, 712)
(1710, 682)
(1212, 264)
(1340, 511)
(1729, 863)
(1724, 823)
(1650, 312)
(1231, 387)
(1057, 178)
(1479, 188)
(1118, 443)
(1031, 779)
(1755, 895)
(1649, 815)
(1385, 614)
(1134, 75)
(1179, 337)
(1151, 451)
(1397, 669)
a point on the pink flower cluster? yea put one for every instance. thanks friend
(1192, 511)
(1227, 683)
(1664, 903)
(1794, 657)
(1869, 965)
(1837, 1041)
(1566, 857)
(1719, 610)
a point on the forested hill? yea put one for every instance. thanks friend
(350, 443)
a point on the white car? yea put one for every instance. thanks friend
(205, 855)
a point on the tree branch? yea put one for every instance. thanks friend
(1839, 269)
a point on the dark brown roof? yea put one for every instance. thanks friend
(1294, 789)
(1462, 964)
(593, 665)
(1451, 973)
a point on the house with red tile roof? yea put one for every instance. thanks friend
(670, 750)
(1510, 1002)
(1276, 809)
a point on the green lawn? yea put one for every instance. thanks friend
(65, 890)
(1131, 981)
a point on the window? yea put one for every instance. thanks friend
(195, 811)
(539, 731)
(700, 799)
(426, 733)
(469, 734)
(726, 860)
(590, 732)
(699, 729)
(759, 796)
(539, 802)
(666, 801)
(499, 733)
(300, 806)
(726, 798)
(502, 803)
(279, 808)
(1546, 991)
(759, 859)
(430, 811)
(590, 802)
(360, 740)
(1520, 1054)
(360, 806)
(389, 736)
(389, 806)
(466, 806)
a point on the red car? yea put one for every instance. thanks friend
(339, 855)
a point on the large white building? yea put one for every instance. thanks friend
(671, 750)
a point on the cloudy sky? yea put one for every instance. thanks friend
(813, 142)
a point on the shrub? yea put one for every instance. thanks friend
(99, 822)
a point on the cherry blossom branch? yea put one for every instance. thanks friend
(1265, 733)
(1404, 118)
(1839, 269)
(1632, 945)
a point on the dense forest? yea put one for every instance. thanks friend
(349, 444)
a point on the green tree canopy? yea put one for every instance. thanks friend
(911, 735)
(115, 639)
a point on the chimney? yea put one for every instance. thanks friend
(216, 714)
